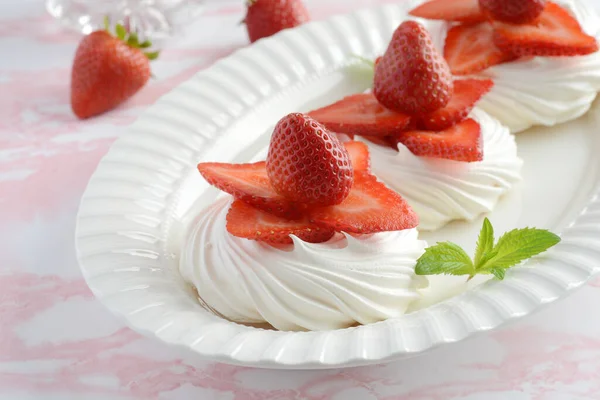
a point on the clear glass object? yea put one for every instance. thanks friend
(154, 19)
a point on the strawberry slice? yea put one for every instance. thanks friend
(249, 222)
(470, 49)
(359, 155)
(360, 114)
(249, 183)
(462, 142)
(386, 141)
(450, 10)
(513, 11)
(371, 207)
(467, 92)
(554, 33)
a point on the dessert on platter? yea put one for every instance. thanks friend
(308, 240)
(542, 56)
(447, 159)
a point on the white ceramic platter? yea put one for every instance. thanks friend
(133, 211)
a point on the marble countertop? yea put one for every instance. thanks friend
(58, 342)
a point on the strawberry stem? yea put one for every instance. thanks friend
(130, 38)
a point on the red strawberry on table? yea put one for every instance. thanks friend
(412, 77)
(470, 49)
(513, 11)
(554, 33)
(467, 92)
(249, 222)
(107, 70)
(371, 207)
(467, 11)
(267, 17)
(360, 114)
(249, 183)
(461, 142)
(307, 164)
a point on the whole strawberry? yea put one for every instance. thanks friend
(306, 163)
(107, 70)
(513, 11)
(267, 17)
(412, 77)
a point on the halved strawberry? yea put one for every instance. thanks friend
(371, 207)
(412, 77)
(360, 114)
(554, 33)
(359, 155)
(450, 10)
(249, 183)
(249, 222)
(470, 49)
(307, 164)
(462, 142)
(467, 92)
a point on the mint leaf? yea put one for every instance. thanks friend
(498, 273)
(484, 260)
(518, 245)
(445, 258)
(485, 243)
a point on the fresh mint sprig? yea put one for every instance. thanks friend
(511, 249)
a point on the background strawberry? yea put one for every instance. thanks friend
(513, 11)
(267, 17)
(412, 77)
(307, 164)
(108, 70)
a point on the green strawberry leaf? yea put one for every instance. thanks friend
(120, 31)
(152, 55)
(133, 40)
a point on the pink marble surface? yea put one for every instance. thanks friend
(57, 342)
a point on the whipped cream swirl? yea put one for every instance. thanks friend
(442, 190)
(303, 286)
